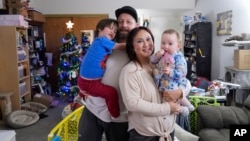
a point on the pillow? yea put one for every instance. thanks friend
(247, 102)
(221, 116)
(210, 116)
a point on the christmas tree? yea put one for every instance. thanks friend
(70, 58)
(69, 66)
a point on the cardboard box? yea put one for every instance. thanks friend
(36, 16)
(11, 17)
(43, 99)
(242, 59)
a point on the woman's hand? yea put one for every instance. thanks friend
(172, 95)
(175, 107)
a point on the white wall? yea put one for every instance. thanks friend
(223, 56)
(105, 6)
(158, 24)
(170, 9)
(162, 14)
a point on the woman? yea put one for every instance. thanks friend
(146, 111)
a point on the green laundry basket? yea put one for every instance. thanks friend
(196, 101)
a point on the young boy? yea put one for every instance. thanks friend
(93, 66)
(171, 67)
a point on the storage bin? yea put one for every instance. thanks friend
(196, 101)
(21, 71)
(13, 20)
(22, 88)
(21, 55)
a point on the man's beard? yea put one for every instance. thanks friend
(122, 37)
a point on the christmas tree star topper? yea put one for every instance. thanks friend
(69, 25)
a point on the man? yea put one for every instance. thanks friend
(127, 20)
(96, 118)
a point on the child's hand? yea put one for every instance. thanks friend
(161, 52)
(166, 70)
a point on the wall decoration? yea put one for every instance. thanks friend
(2, 4)
(145, 22)
(90, 34)
(224, 23)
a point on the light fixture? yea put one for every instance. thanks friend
(69, 25)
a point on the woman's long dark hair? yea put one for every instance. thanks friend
(129, 45)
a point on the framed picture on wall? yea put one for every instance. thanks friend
(88, 36)
(2, 4)
(224, 23)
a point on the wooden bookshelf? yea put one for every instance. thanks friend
(12, 78)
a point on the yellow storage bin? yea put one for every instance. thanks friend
(196, 101)
(67, 129)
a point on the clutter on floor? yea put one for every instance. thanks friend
(43, 99)
(34, 107)
(70, 108)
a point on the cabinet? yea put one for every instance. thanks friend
(14, 65)
(38, 59)
(197, 49)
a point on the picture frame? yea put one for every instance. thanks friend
(90, 34)
(224, 23)
(2, 4)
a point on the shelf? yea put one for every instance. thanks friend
(188, 32)
(197, 49)
(235, 43)
(25, 94)
(23, 78)
(23, 61)
(37, 53)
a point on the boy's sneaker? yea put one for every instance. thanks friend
(79, 100)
